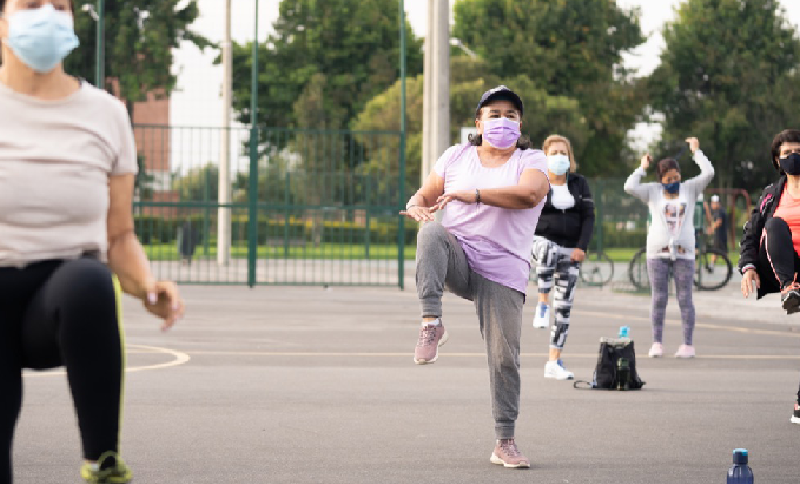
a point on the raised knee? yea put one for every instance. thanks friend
(85, 280)
(431, 231)
(775, 224)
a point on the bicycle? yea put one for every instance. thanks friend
(597, 269)
(707, 276)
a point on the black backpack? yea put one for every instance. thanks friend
(616, 367)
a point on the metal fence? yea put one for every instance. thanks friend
(325, 202)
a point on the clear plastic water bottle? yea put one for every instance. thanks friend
(740, 472)
(624, 331)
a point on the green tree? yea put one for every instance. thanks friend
(727, 76)
(198, 184)
(140, 36)
(324, 61)
(544, 114)
(566, 48)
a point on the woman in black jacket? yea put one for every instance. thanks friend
(562, 237)
(770, 245)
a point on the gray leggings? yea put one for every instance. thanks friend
(441, 264)
(553, 264)
(683, 271)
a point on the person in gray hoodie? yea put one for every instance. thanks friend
(671, 239)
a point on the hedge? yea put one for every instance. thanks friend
(153, 229)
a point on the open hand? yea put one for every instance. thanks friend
(462, 196)
(419, 214)
(750, 277)
(163, 299)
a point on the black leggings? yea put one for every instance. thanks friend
(56, 313)
(778, 255)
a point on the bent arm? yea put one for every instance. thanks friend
(634, 186)
(587, 216)
(126, 256)
(701, 181)
(430, 191)
(751, 238)
(532, 188)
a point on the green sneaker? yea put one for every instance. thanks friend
(110, 469)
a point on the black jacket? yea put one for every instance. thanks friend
(751, 238)
(571, 227)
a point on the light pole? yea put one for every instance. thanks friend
(224, 198)
(253, 209)
(99, 63)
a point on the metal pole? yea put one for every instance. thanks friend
(252, 252)
(427, 95)
(224, 193)
(100, 62)
(401, 229)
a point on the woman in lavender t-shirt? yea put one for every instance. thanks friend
(491, 194)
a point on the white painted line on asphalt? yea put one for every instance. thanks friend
(179, 358)
(461, 355)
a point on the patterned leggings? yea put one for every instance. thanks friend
(553, 263)
(683, 271)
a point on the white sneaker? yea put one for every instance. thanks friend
(556, 370)
(656, 351)
(542, 318)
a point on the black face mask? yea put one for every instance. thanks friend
(791, 164)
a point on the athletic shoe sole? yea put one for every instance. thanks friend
(442, 341)
(796, 420)
(498, 461)
(792, 303)
(540, 326)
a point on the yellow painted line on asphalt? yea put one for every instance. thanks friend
(179, 358)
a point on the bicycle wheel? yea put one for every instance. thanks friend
(712, 270)
(597, 269)
(637, 271)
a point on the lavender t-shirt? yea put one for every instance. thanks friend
(497, 241)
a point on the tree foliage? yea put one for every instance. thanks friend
(727, 76)
(570, 49)
(140, 36)
(324, 62)
(544, 114)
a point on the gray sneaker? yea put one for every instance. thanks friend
(506, 454)
(431, 337)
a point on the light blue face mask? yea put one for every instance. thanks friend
(41, 38)
(558, 164)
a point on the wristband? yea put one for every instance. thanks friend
(477, 196)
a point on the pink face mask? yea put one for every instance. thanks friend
(501, 133)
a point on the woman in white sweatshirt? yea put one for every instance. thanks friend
(670, 239)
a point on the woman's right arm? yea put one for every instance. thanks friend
(748, 249)
(420, 204)
(634, 185)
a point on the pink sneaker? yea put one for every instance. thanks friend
(656, 351)
(431, 337)
(506, 454)
(685, 351)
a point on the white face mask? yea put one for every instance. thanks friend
(558, 164)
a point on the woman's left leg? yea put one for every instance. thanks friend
(499, 310)
(73, 321)
(684, 287)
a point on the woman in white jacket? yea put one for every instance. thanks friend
(671, 240)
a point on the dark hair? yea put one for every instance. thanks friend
(666, 165)
(523, 143)
(785, 136)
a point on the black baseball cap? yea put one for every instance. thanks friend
(499, 93)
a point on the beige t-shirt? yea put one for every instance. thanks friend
(56, 158)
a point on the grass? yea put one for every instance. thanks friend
(169, 252)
